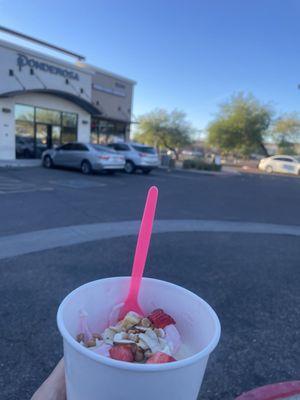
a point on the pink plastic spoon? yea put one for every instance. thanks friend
(141, 251)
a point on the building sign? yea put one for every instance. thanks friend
(116, 92)
(24, 61)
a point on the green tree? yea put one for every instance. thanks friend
(286, 132)
(164, 129)
(240, 125)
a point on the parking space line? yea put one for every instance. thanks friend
(46, 189)
(77, 183)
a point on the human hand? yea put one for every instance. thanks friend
(54, 387)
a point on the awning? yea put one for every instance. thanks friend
(79, 101)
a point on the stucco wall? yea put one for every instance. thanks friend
(7, 130)
(10, 60)
(113, 105)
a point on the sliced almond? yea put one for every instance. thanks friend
(160, 332)
(146, 322)
(139, 328)
(108, 336)
(143, 345)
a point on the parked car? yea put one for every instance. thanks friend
(283, 164)
(137, 156)
(86, 157)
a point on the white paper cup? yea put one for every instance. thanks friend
(90, 376)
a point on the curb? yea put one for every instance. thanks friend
(283, 390)
(47, 239)
(201, 172)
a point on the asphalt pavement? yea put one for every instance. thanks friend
(251, 279)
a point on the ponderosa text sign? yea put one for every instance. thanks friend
(25, 61)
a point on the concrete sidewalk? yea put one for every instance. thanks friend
(20, 163)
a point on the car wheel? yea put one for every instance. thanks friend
(146, 171)
(86, 167)
(269, 169)
(47, 162)
(129, 167)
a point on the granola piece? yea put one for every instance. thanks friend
(97, 336)
(139, 355)
(83, 326)
(91, 343)
(80, 337)
(131, 319)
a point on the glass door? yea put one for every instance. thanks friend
(55, 136)
(41, 139)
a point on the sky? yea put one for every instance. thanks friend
(190, 55)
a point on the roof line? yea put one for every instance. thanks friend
(43, 56)
(94, 69)
(41, 42)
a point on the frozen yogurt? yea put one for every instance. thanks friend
(150, 340)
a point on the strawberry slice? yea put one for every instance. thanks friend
(121, 352)
(160, 358)
(160, 319)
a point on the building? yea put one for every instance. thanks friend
(46, 101)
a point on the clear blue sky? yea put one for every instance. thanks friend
(184, 54)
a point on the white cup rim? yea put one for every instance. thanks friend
(132, 366)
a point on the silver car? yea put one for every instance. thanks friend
(83, 156)
(137, 156)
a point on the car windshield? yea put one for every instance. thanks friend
(297, 158)
(98, 147)
(144, 149)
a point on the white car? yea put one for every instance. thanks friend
(137, 156)
(282, 164)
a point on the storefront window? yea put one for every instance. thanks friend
(94, 138)
(69, 119)
(69, 128)
(40, 128)
(24, 113)
(46, 116)
(24, 139)
(68, 135)
(120, 128)
(104, 132)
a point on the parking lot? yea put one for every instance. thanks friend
(232, 239)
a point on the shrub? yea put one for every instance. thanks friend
(200, 165)
(187, 164)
